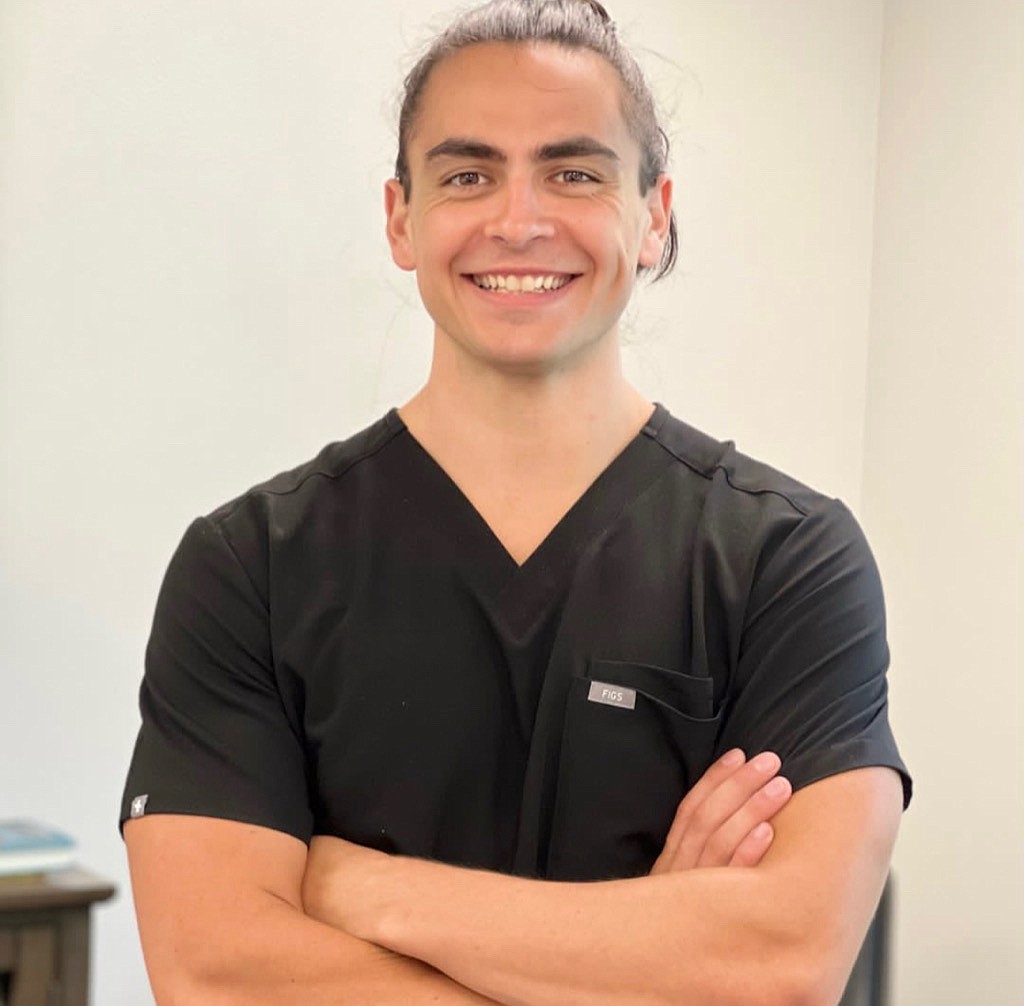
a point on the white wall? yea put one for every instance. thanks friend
(195, 293)
(761, 335)
(942, 488)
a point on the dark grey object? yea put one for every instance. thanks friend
(869, 980)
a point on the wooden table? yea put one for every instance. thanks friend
(44, 937)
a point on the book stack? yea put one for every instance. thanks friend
(28, 848)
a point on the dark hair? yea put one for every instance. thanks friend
(575, 24)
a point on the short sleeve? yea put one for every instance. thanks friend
(215, 738)
(810, 682)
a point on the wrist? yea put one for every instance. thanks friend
(343, 885)
(390, 910)
(374, 898)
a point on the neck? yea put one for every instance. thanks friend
(581, 415)
(523, 447)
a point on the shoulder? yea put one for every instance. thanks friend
(299, 509)
(302, 485)
(753, 500)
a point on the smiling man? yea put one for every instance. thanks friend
(526, 228)
(459, 711)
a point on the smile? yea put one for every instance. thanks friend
(520, 284)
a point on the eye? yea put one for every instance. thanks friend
(465, 180)
(575, 176)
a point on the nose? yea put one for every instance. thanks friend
(519, 215)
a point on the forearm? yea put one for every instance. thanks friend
(783, 933)
(271, 953)
(702, 937)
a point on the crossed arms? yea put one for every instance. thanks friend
(732, 913)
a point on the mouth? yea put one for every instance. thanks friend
(520, 285)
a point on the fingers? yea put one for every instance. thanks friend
(707, 784)
(752, 849)
(744, 798)
(716, 774)
(716, 821)
(736, 835)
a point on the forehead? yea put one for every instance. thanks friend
(522, 95)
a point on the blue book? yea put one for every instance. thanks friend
(30, 847)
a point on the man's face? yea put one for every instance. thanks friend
(525, 223)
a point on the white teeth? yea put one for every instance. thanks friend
(519, 284)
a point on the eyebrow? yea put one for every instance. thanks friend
(574, 146)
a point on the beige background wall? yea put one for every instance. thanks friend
(195, 293)
(943, 463)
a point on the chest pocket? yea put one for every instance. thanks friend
(636, 738)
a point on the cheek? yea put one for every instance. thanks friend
(608, 230)
(442, 243)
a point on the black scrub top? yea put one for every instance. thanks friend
(348, 649)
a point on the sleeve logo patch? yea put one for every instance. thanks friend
(138, 807)
(612, 695)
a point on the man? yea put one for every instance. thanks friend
(502, 652)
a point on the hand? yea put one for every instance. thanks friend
(335, 865)
(724, 819)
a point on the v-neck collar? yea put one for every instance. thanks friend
(517, 596)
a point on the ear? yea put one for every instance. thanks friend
(659, 210)
(398, 228)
